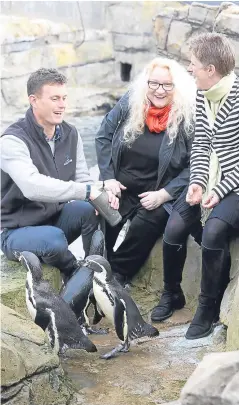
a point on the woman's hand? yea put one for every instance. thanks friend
(153, 199)
(194, 194)
(113, 200)
(114, 186)
(211, 201)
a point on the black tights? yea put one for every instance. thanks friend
(177, 230)
(216, 234)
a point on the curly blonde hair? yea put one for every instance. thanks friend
(183, 106)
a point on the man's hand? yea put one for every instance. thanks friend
(153, 199)
(114, 186)
(194, 194)
(211, 201)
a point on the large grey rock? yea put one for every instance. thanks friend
(161, 28)
(30, 371)
(227, 21)
(132, 17)
(151, 275)
(214, 382)
(179, 33)
(25, 350)
(132, 43)
(197, 13)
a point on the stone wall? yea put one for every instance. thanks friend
(175, 26)
(100, 46)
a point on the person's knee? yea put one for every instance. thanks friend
(212, 237)
(57, 244)
(176, 230)
(86, 212)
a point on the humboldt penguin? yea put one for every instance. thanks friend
(78, 292)
(117, 306)
(50, 311)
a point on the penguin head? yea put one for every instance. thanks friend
(31, 264)
(100, 266)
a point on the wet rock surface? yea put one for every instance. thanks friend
(152, 372)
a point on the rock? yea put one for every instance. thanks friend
(134, 18)
(197, 13)
(227, 21)
(132, 43)
(233, 325)
(215, 381)
(13, 279)
(161, 28)
(179, 33)
(229, 314)
(16, 395)
(150, 276)
(25, 350)
(30, 371)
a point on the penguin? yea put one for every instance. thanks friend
(78, 292)
(117, 306)
(49, 311)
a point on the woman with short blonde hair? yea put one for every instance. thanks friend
(143, 149)
(214, 177)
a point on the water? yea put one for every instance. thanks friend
(88, 127)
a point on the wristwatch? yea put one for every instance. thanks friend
(88, 192)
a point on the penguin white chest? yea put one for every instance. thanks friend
(104, 299)
(30, 300)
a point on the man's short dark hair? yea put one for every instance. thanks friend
(44, 76)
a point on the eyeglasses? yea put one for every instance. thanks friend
(165, 86)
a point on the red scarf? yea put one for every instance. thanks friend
(157, 118)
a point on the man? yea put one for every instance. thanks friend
(43, 168)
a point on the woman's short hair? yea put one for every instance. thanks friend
(214, 49)
(183, 106)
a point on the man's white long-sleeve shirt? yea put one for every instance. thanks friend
(17, 162)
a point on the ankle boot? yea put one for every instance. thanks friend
(172, 298)
(212, 271)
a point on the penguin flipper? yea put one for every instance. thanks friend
(97, 315)
(119, 313)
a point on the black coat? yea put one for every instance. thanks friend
(174, 158)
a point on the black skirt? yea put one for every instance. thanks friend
(227, 210)
(190, 214)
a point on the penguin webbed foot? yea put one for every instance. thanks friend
(122, 348)
(94, 331)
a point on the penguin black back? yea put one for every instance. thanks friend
(50, 311)
(78, 288)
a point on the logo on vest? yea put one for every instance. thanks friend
(68, 160)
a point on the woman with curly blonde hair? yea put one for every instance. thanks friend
(143, 148)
